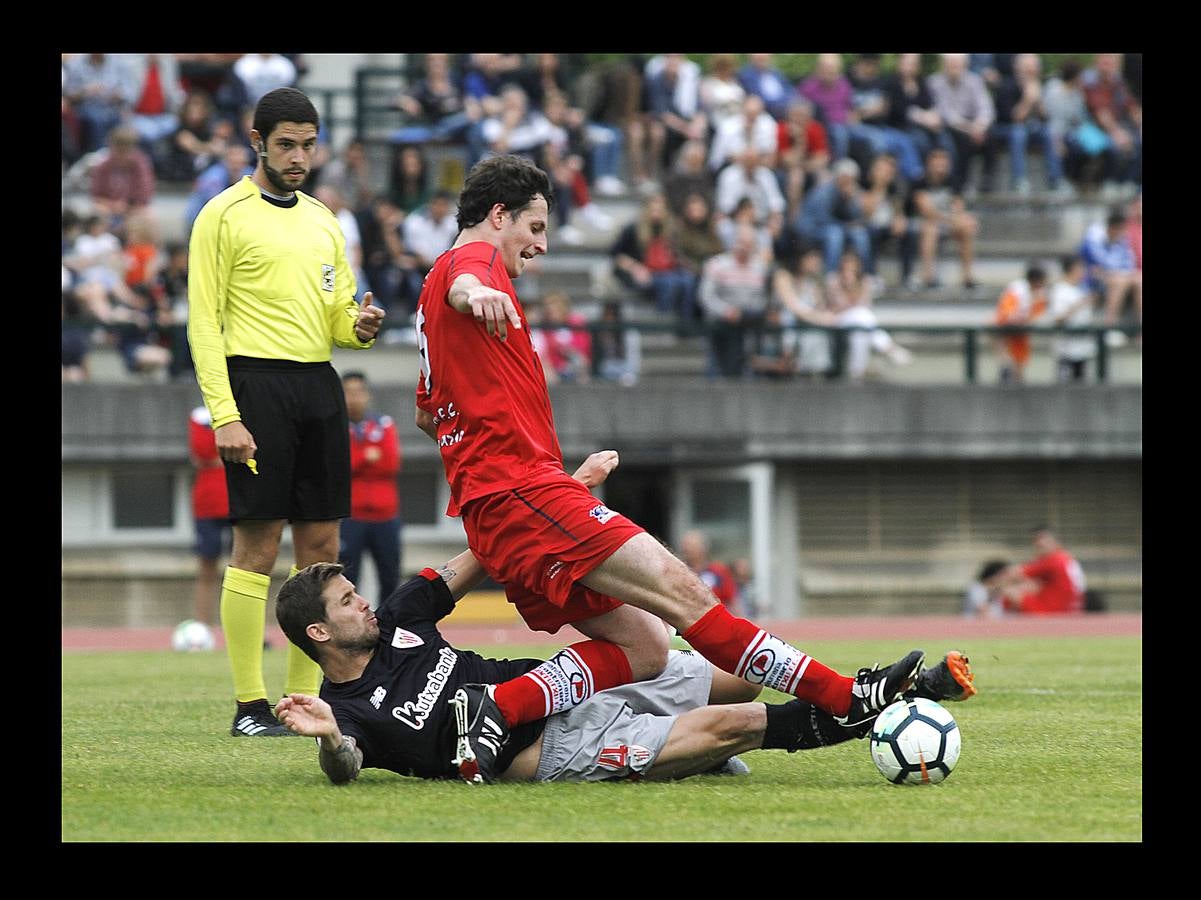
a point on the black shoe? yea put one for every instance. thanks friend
(255, 719)
(876, 688)
(951, 679)
(481, 732)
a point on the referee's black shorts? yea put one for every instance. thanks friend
(296, 413)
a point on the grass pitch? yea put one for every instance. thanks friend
(1052, 751)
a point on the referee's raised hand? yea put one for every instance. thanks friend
(370, 318)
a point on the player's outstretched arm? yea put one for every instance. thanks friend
(339, 755)
(491, 308)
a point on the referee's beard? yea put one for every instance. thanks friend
(276, 177)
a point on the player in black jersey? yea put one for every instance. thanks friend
(390, 676)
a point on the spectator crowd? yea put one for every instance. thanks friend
(766, 201)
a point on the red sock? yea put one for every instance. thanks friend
(565, 680)
(746, 650)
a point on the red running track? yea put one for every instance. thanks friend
(925, 628)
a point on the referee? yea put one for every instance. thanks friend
(269, 291)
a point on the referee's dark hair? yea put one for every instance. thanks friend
(284, 104)
(299, 604)
(510, 180)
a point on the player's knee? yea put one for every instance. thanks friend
(648, 655)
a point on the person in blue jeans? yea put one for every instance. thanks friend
(1022, 121)
(832, 216)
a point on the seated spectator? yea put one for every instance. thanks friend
(966, 107)
(1111, 271)
(1134, 231)
(751, 129)
(391, 268)
(832, 215)
(733, 295)
(674, 114)
(935, 207)
(850, 293)
(516, 128)
(761, 78)
(409, 182)
(646, 260)
(1114, 108)
(613, 92)
(748, 177)
(350, 173)
(1071, 305)
(773, 352)
(98, 263)
(261, 73)
(124, 180)
(435, 106)
(804, 154)
(486, 76)
(727, 228)
(429, 231)
(983, 597)
(198, 142)
(76, 334)
(697, 240)
(720, 92)
(592, 150)
(798, 291)
(562, 341)
(911, 107)
(349, 224)
(237, 161)
(1081, 146)
(563, 158)
(145, 343)
(171, 284)
(1022, 119)
(869, 112)
(1022, 302)
(100, 91)
(688, 175)
(885, 216)
(832, 97)
(616, 349)
(1051, 584)
(158, 98)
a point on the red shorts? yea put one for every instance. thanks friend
(539, 540)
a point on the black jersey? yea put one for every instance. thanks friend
(398, 710)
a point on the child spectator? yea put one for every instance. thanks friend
(562, 342)
(1111, 271)
(1022, 302)
(1071, 305)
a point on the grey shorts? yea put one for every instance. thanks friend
(620, 731)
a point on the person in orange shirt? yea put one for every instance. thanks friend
(1023, 301)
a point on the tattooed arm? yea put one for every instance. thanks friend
(339, 755)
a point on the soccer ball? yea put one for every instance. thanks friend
(191, 636)
(915, 742)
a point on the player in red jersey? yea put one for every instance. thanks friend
(564, 557)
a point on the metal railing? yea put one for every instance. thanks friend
(175, 335)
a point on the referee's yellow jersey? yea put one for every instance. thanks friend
(266, 281)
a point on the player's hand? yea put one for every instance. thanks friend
(596, 468)
(370, 318)
(306, 715)
(494, 309)
(234, 443)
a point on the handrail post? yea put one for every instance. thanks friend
(969, 355)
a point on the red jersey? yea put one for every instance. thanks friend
(488, 397)
(209, 497)
(1061, 584)
(374, 465)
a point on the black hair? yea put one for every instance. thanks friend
(300, 604)
(512, 181)
(991, 568)
(1035, 272)
(284, 104)
(1068, 260)
(1115, 217)
(347, 376)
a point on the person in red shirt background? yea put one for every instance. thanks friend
(1051, 583)
(210, 513)
(694, 550)
(374, 523)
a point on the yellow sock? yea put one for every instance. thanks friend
(304, 675)
(243, 607)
